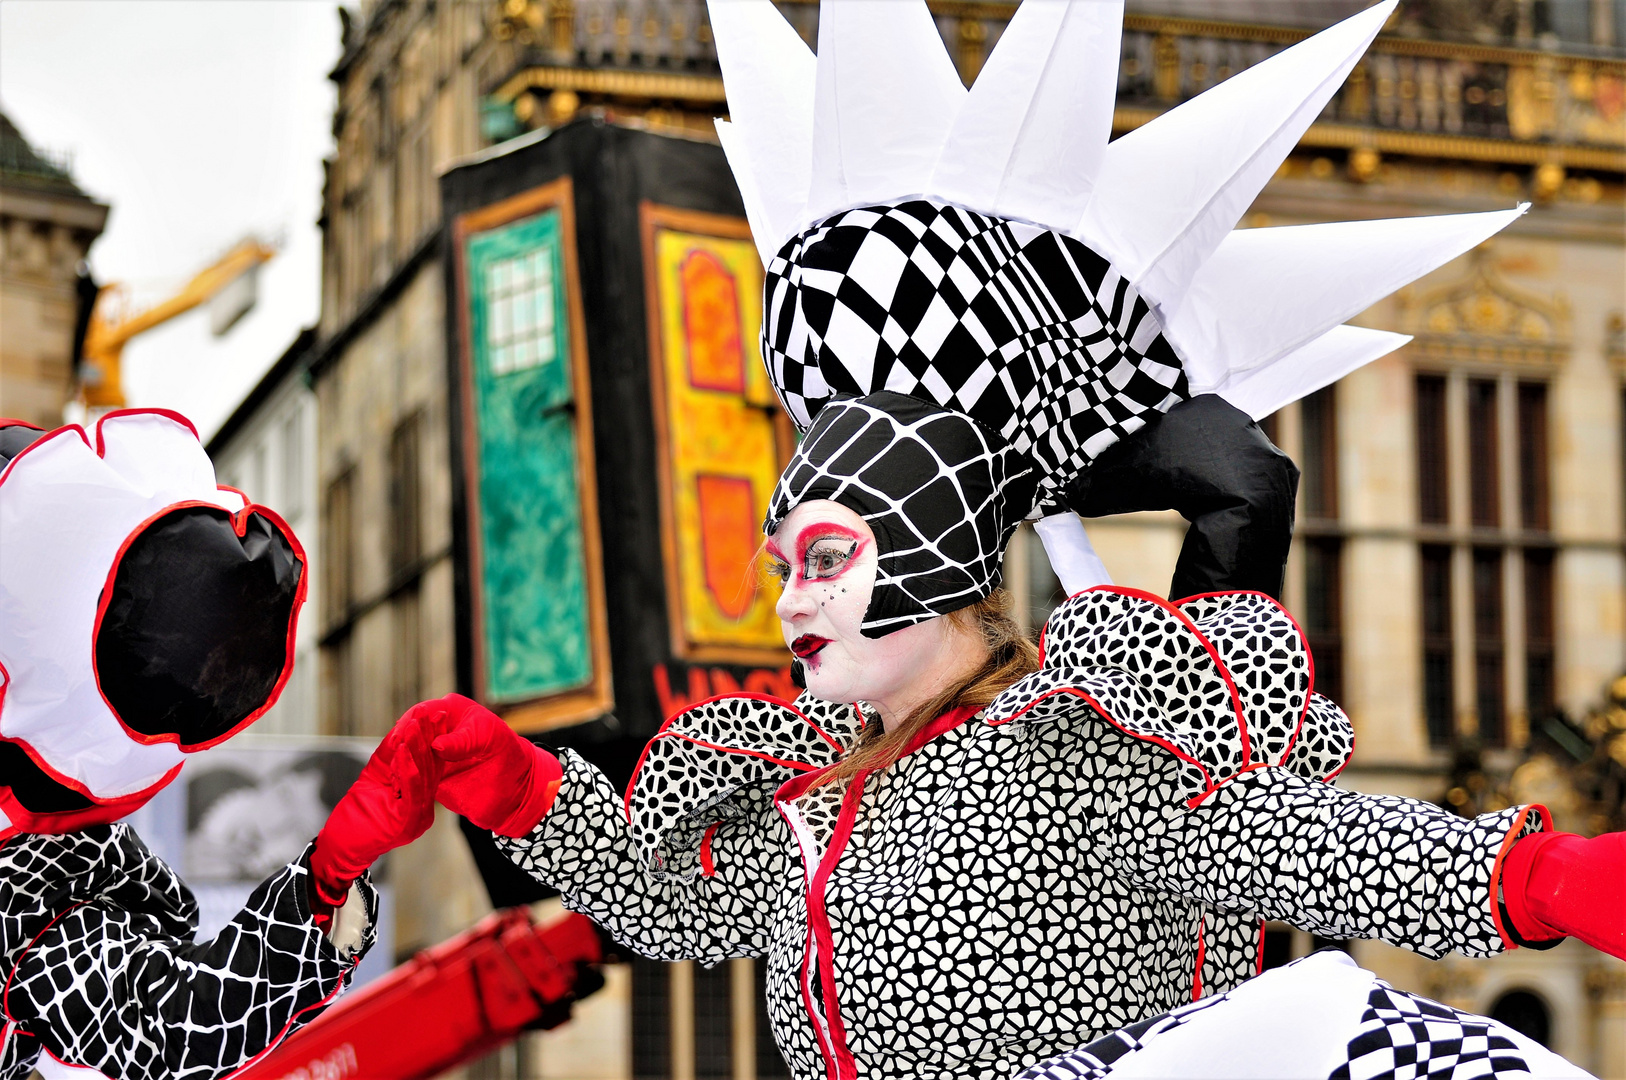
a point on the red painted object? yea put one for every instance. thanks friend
(447, 1005)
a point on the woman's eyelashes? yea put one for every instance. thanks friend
(827, 557)
(777, 570)
(823, 559)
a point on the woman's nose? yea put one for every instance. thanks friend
(794, 603)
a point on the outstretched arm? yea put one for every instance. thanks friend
(104, 987)
(718, 908)
(1334, 862)
(708, 894)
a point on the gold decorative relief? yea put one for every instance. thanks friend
(1482, 318)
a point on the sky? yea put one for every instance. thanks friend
(199, 121)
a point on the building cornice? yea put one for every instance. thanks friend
(59, 208)
(614, 82)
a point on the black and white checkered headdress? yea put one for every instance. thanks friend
(1025, 330)
(989, 252)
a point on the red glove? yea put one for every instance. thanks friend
(391, 804)
(1561, 885)
(489, 774)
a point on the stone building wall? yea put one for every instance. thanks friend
(406, 107)
(46, 227)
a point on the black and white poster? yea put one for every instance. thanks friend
(241, 811)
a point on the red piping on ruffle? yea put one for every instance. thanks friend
(41, 441)
(168, 414)
(1101, 710)
(637, 770)
(104, 812)
(1308, 656)
(1210, 784)
(1208, 646)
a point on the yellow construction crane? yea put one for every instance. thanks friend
(100, 384)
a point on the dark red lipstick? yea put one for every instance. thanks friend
(808, 646)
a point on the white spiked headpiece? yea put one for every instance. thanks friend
(989, 252)
(880, 116)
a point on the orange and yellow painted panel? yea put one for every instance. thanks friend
(716, 423)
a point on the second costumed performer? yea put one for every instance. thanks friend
(147, 614)
(979, 312)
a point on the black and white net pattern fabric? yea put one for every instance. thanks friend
(1011, 891)
(1026, 330)
(101, 971)
(940, 491)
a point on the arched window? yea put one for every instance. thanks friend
(1526, 1013)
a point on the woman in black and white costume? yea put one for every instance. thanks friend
(146, 614)
(980, 313)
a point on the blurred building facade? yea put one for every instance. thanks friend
(47, 224)
(1461, 557)
(267, 448)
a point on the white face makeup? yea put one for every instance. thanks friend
(824, 554)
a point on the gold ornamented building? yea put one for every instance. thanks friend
(1460, 561)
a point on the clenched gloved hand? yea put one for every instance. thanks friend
(497, 779)
(1557, 885)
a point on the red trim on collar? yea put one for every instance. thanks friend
(797, 786)
(819, 919)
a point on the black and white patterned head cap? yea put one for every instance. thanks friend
(1025, 330)
(941, 493)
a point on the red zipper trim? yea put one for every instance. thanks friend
(839, 1061)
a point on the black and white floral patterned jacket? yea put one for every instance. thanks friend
(101, 971)
(1097, 846)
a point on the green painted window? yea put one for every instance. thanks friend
(533, 587)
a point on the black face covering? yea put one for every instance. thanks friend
(941, 493)
(195, 634)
